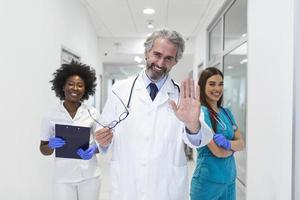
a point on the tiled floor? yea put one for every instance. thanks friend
(105, 187)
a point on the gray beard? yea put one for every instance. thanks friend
(149, 68)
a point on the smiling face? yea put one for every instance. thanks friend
(160, 59)
(214, 89)
(74, 89)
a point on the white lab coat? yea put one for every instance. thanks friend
(148, 160)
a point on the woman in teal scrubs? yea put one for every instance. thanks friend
(215, 172)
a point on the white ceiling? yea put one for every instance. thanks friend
(122, 27)
(125, 18)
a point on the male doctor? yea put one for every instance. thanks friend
(148, 119)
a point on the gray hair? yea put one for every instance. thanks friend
(171, 35)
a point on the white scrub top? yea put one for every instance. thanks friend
(72, 170)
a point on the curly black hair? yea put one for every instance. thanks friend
(85, 72)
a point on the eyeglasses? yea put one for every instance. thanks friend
(114, 123)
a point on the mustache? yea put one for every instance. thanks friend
(164, 69)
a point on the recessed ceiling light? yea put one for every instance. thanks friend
(141, 66)
(150, 26)
(148, 11)
(138, 59)
(244, 61)
(150, 23)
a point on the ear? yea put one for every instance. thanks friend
(146, 55)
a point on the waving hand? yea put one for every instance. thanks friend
(188, 109)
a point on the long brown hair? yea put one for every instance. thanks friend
(206, 74)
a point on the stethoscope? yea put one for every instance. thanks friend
(133, 84)
(222, 124)
(234, 127)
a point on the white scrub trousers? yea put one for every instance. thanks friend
(85, 190)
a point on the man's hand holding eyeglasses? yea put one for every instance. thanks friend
(104, 136)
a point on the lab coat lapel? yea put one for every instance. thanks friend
(141, 91)
(167, 90)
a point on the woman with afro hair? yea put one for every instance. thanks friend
(74, 179)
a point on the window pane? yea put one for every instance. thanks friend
(217, 65)
(235, 23)
(215, 46)
(235, 69)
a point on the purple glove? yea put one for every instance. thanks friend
(87, 154)
(56, 142)
(221, 141)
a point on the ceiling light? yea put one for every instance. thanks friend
(138, 59)
(244, 35)
(229, 67)
(141, 66)
(148, 11)
(244, 61)
(150, 26)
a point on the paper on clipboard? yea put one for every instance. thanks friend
(75, 136)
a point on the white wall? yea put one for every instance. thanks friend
(181, 70)
(270, 95)
(297, 105)
(201, 52)
(31, 36)
(270, 99)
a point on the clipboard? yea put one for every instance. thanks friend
(75, 136)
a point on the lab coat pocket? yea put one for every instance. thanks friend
(178, 186)
(115, 179)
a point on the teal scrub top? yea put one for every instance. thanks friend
(210, 167)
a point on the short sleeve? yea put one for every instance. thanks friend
(46, 131)
(95, 115)
(110, 108)
(206, 116)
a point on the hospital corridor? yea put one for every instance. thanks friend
(150, 99)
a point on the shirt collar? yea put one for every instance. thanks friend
(63, 109)
(158, 83)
